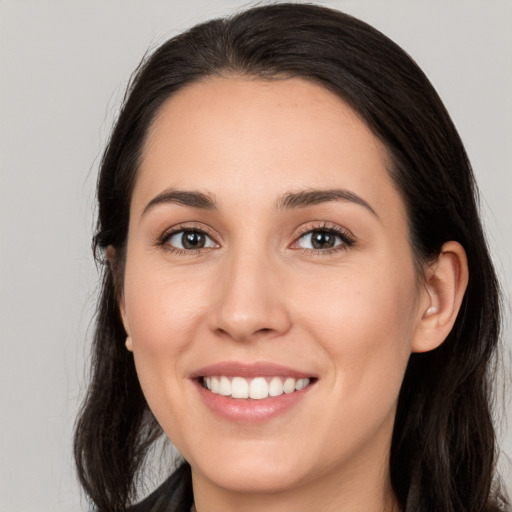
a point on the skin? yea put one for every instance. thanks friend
(257, 292)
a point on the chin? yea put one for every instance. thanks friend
(255, 469)
(249, 478)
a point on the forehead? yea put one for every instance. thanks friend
(252, 138)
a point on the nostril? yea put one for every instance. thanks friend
(243, 320)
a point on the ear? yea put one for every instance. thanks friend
(445, 284)
(110, 253)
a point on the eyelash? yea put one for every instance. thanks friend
(347, 239)
(164, 239)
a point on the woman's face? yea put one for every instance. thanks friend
(268, 250)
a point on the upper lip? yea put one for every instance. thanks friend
(251, 370)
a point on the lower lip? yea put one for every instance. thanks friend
(241, 410)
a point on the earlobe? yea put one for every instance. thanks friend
(122, 312)
(431, 310)
(129, 342)
(445, 284)
(110, 253)
(432, 296)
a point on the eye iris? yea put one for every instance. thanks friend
(192, 240)
(322, 240)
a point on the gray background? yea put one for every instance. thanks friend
(63, 68)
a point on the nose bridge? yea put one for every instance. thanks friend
(249, 301)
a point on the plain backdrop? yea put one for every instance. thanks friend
(63, 69)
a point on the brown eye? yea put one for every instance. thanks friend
(190, 240)
(321, 239)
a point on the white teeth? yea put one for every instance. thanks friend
(275, 388)
(224, 386)
(256, 389)
(301, 384)
(289, 385)
(239, 388)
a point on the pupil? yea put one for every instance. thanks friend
(192, 240)
(322, 240)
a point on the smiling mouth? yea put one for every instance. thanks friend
(257, 388)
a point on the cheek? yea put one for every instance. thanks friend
(365, 323)
(162, 310)
(356, 301)
(161, 307)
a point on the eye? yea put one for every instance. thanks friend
(323, 239)
(189, 240)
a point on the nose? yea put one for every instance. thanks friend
(250, 299)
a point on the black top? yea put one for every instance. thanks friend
(174, 495)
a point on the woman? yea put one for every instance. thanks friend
(297, 289)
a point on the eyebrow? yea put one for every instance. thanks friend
(183, 198)
(304, 198)
(290, 200)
